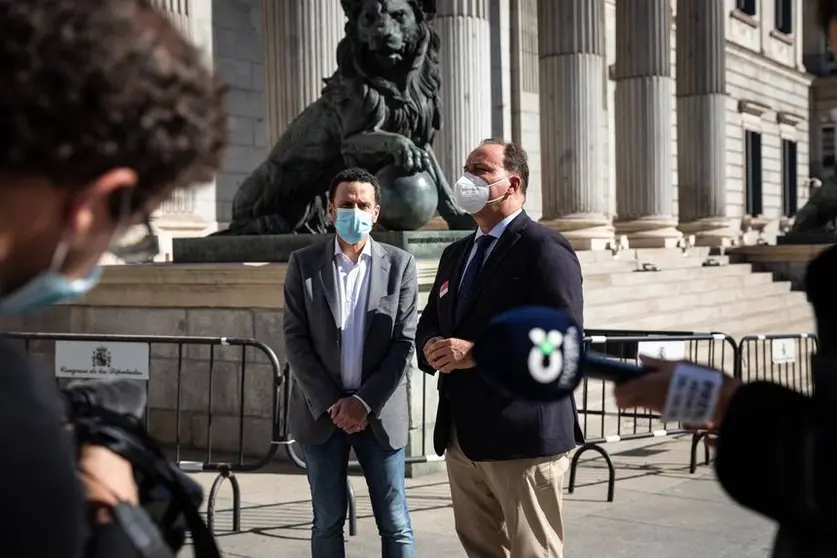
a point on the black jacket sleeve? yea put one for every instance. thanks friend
(108, 540)
(558, 277)
(776, 455)
(428, 324)
(42, 512)
(42, 509)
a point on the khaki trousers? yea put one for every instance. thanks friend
(508, 509)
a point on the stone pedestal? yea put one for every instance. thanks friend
(572, 92)
(300, 44)
(643, 113)
(465, 65)
(787, 261)
(701, 121)
(426, 245)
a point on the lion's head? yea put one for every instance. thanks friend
(387, 36)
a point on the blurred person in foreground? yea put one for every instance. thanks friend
(776, 448)
(105, 109)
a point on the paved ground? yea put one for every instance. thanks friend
(660, 511)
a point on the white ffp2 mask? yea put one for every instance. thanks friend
(471, 192)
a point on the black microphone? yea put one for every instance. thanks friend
(536, 353)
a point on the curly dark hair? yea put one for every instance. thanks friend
(93, 85)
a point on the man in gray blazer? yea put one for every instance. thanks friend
(350, 324)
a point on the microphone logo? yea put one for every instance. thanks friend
(546, 348)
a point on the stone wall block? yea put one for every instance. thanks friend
(226, 322)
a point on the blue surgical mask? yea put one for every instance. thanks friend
(352, 224)
(48, 288)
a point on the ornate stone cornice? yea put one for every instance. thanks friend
(789, 118)
(752, 107)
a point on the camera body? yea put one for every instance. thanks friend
(109, 413)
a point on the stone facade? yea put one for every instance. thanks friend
(275, 69)
(823, 118)
(236, 29)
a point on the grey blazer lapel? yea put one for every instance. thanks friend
(327, 281)
(378, 279)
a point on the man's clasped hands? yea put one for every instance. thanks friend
(350, 415)
(445, 355)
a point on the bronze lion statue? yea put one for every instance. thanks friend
(818, 214)
(380, 110)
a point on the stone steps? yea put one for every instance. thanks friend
(708, 282)
(683, 296)
(686, 296)
(681, 303)
(628, 277)
(717, 317)
(643, 254)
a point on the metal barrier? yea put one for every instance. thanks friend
(783, 359)
(595, 406)
(789, 365)
(213, 351)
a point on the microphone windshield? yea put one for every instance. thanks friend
(531, 353)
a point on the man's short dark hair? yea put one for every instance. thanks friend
(826, 13)
(90, 86)
(354, 174)
(515, 160)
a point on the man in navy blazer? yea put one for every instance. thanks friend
(506, 459)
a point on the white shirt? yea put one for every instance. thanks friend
(352, 281)
(496, 232)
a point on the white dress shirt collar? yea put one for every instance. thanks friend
(366, 251)
(498, 229)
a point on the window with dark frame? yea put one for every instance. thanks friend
(753, 198)
(746, 6)
(784, 16)
(789, 178)
(827, 140)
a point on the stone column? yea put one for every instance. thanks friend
(525, 102)
(299, 41)
(643, 113)
(571, 41)
(701, 121)
(190, 212)
(465, 64)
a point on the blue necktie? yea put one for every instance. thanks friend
(471, 272)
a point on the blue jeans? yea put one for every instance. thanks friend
(327, 469)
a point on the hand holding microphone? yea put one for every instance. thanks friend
(654, 391)
(537, 354)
